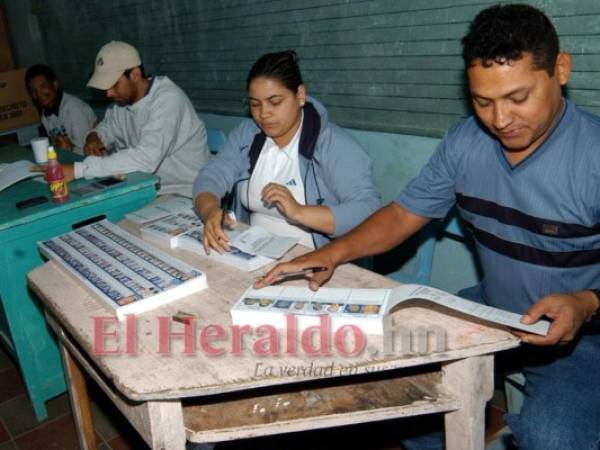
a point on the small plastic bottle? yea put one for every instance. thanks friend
(56, 178)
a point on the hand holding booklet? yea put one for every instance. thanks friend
(365, 308)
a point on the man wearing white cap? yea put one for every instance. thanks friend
(152, 127)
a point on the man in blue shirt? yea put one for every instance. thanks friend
(525, 175)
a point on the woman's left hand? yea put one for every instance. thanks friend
(281, 197)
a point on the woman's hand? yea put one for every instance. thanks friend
(207, 206)
(214, 235)
(281, 197)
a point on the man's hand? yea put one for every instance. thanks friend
(93, 146)
(568, 313)
(68, 172)
(63, 141)
(319, 258)
(284, 201)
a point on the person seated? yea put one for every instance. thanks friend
(289, 169)
(152, 127)
(66, 119)
(523, 172)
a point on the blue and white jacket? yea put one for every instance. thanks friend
(336, 171)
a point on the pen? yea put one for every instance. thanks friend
(302, 272)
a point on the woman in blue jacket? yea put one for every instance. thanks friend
(290, 170)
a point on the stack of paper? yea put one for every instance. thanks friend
(185, 230)
(169, 229)
(128, 274)
(160, 210)
(365, 308)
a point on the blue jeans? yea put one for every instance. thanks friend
(561, 409)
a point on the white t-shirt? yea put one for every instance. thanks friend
(75, 119)
(281, 166)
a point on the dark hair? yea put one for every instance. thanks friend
(141, 67)
(39, 69)
(280, 66)
(502, 33)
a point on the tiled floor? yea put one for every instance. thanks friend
(19, 429)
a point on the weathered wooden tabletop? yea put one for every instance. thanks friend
(151, 375)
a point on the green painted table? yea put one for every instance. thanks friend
(22, 326)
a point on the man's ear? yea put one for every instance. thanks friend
(563, 68)
(56, 85)
(135, 74)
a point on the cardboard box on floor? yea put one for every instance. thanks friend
(16, 108)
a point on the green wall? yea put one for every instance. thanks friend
(386, 65)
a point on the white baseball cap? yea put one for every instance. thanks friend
(112, 60)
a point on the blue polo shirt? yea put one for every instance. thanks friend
(537, 224)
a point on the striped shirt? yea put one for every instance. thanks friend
(537, 224)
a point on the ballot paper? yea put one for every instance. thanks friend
(258, 241)
(365, 308)
(185, 230)
(489, 313)
(159, 210)
(128, 274)
(15, 172)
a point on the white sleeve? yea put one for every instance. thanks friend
(158, 137)
(107, 129)
(81, 120)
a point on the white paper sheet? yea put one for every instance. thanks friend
(258, 241)
(15, 172)
(500, 316)
(160, 210)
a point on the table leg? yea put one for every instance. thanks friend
(472, 381)
(80, 402)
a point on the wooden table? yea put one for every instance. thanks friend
(23, 329)
(174, 396)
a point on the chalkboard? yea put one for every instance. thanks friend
(387, 65)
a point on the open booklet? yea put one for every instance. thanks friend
(251, 247)
(365, 308)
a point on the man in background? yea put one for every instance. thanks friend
(65, 118)
(152, 126)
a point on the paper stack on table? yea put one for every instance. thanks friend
(185, 230)
(128, 274)
(159, 210)
(365, 308)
